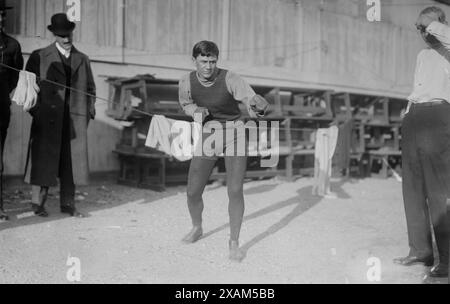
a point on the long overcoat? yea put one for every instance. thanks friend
(46, 129)
(10, 55)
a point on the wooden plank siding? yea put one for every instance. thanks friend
(330, 39)
(310, 43)
(170, 27)
(99, 17)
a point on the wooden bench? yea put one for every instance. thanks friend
(135, 169)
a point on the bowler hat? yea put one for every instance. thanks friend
(3, 6)
(61, 25)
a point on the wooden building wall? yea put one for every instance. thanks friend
(292, 43)
(329, 42)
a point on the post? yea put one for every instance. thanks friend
(290, 157)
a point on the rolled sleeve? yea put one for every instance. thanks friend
(241, 91)
(184, 96)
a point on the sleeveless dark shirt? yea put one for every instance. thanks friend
(220, 103)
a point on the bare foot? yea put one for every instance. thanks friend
(193, 236)
(236, 253)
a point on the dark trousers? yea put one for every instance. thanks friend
(426, 177)
(65, 173)
(67, 185)
(4, 123)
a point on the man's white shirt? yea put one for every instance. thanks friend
(432, 74)
(65, 53)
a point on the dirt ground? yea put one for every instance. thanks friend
(133, 236)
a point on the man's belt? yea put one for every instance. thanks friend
(431, 103)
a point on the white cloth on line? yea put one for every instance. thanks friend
(173, 137)
(326, 141)
(27, 90)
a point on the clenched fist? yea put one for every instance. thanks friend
(201, 112)
(259, 105)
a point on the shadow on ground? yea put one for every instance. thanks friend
(260, 189)
(98, 196)
(303, 202)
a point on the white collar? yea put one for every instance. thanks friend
(65, 53)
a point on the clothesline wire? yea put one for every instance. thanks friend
(72, 89)
(108, 101)
(65, 87)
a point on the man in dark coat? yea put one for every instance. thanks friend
(11, 55)
(58, 138)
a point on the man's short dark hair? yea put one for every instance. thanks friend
(434, 9)
(205, 48)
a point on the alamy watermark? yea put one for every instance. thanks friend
(374, 12)
(73, 274)
(223, 139)
(374, 272)
(74, 10)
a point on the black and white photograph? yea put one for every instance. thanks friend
(224, 147)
